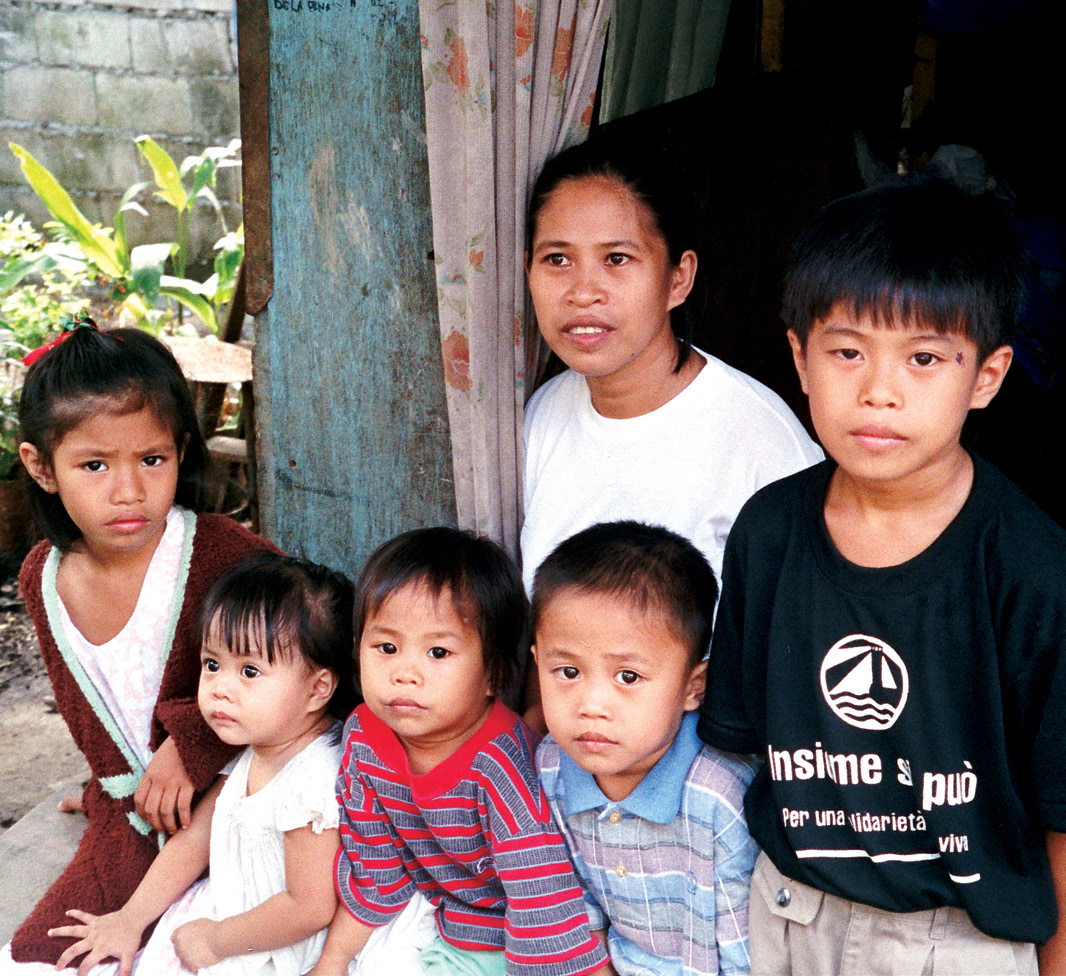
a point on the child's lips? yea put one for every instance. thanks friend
(405, 705)
(128, 523)
(877, 438)
(595, 742)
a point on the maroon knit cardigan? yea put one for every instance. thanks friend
(112, 856)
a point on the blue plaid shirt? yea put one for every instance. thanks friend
(668, 868)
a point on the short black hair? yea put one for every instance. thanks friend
(650, 179)
(119, 370)
(481, 578)
(292, 606)
(907, 253)
(646, 566)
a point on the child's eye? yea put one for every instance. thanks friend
(924, 359)
(848, 354)
(627, 677)
(386, 648)
(567, 672)
(94, 466)
(616, 259)
(250, 671)
(210, 665)
(438, 653)
(154, 460)
(556, 260)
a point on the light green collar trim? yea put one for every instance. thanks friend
(119, 784)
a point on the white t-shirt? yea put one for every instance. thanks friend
(689, 465)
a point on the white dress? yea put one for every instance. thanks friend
(248, 859)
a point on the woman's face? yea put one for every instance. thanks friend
(602, 281)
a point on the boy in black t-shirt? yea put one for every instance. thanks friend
(892, 623)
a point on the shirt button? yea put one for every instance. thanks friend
(784, 896)
(615, 817)
(620, 870)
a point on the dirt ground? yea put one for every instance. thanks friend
(36, 751)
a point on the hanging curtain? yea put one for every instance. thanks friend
(660, 50)
(507, 86)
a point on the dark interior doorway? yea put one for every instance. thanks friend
(764, 149)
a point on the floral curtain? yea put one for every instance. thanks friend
(507, 85)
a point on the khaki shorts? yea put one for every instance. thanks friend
(797, 929)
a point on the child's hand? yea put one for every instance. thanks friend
(164, 796)
(101, 936)
(192, 943)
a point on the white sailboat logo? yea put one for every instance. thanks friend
(865, 682)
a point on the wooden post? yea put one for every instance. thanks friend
(352, 420)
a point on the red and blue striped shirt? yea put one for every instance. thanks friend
(474, 835)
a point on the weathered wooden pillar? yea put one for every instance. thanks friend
(353, 431)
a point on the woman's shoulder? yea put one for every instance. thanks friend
(744, 403)
(560, 393)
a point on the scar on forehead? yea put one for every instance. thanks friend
(959, 358)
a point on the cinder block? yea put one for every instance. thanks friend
(160, 225)
(192, 47)
(88, 161)
(18, 38)
(144, 104)
(90, 38)
(124, 163)
(215, 109)
(31, 141)
(58, 95)
(21, 199)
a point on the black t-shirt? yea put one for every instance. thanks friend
(913, 718)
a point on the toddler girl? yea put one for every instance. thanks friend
(276, 671)
(110, 438)
(444, 828)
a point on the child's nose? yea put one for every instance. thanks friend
(596, 702)
(406, 672)
(129, 484)
(880, 388)
(220, 686)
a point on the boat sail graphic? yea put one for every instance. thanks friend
(865, 682)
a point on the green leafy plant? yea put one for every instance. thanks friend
(138, 275)
(41, 281)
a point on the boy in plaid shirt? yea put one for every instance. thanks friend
(653, 819)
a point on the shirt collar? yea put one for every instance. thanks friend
(657, 797)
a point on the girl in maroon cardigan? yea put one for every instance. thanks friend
(112, 444)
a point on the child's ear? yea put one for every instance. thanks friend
(697, 684)
(323, 684)
(39, 469)
(799, 358)
(682, 279)
(990, 376)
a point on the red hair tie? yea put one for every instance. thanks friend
(79, 320)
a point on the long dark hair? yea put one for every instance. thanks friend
(121, 370)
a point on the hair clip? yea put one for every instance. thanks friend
(69, 323)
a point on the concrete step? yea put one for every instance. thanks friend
(33, 854)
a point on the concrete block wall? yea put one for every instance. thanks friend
(80, 79)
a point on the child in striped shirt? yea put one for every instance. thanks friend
(450, 861)
(653, 818)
